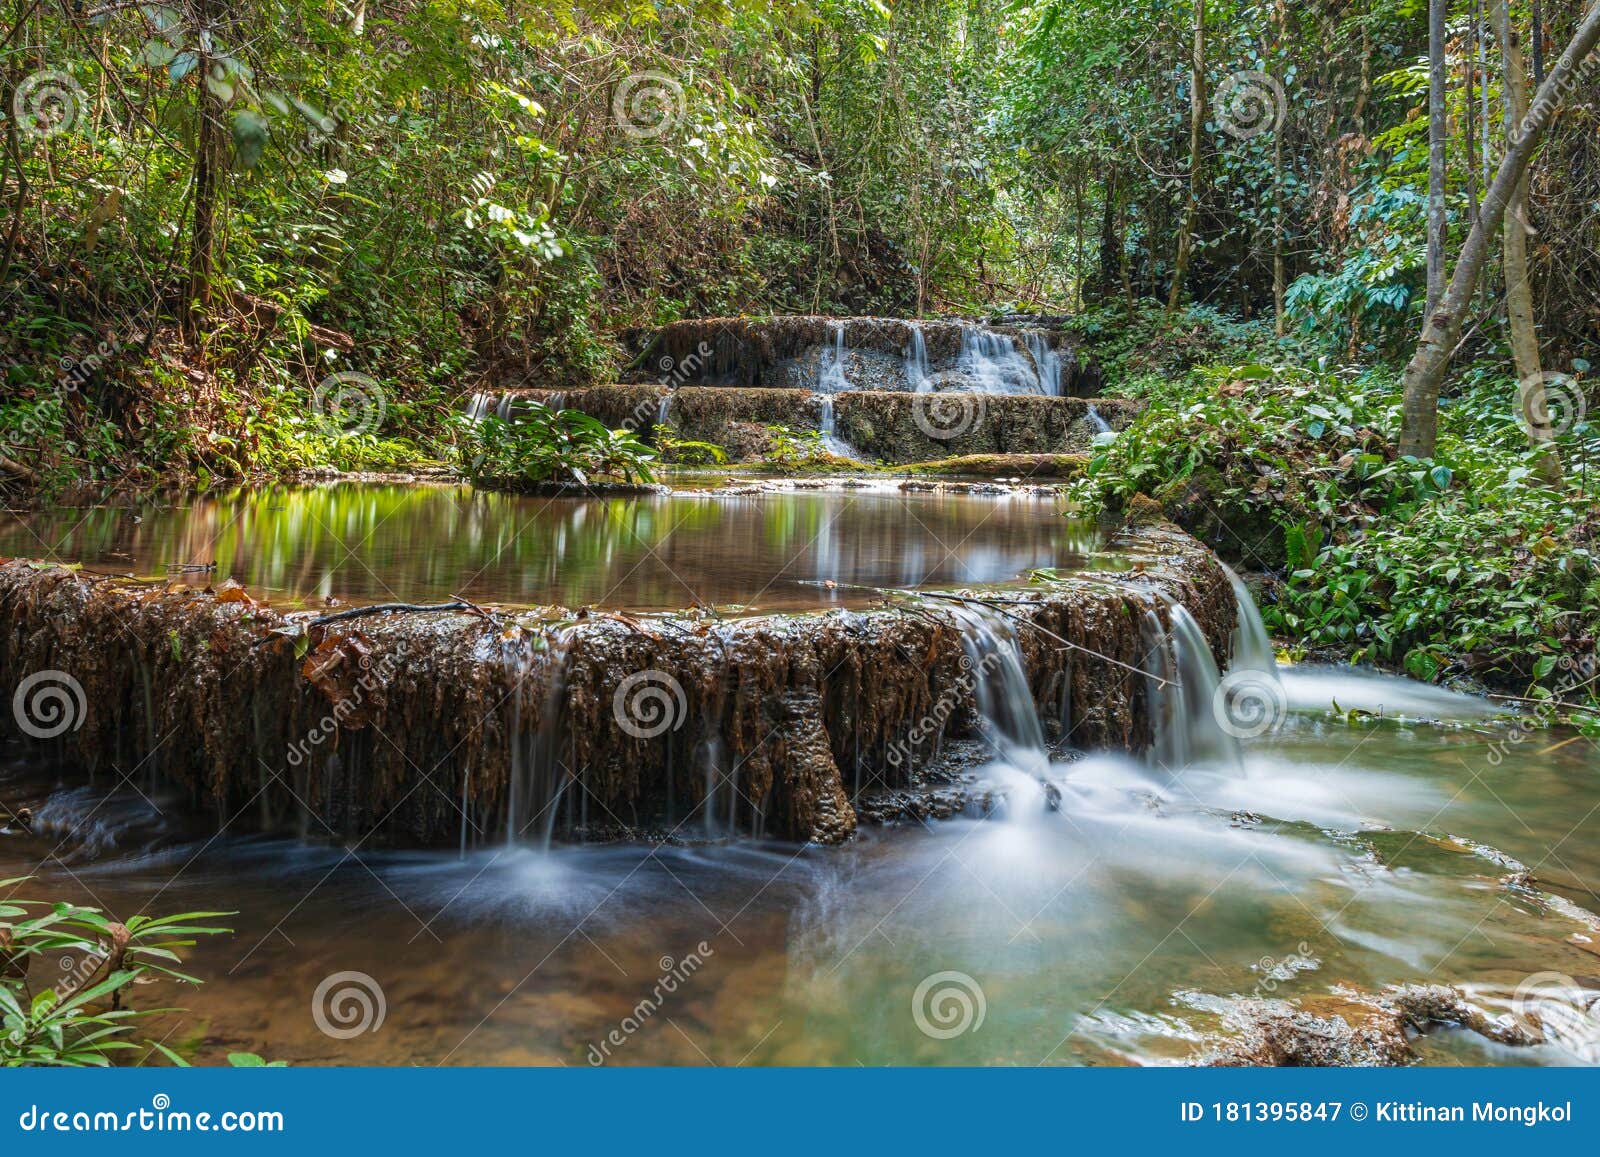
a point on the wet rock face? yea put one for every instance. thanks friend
(879, 353)
(1374, 1029)
(889, 426)
(443, 728)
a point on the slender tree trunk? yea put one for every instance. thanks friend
(1538, 43)
(1125, 260)
(1438, 130)
(1425, 372)
(1469, 86)
(1514, 257)
(207, 183)
(1197, 119)
(1279, 279)
(1077, 243)
(1109, 245)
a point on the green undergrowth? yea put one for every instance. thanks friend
(1465, 564)
(539, 444)
(126, 420)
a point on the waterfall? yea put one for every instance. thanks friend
(1007, 715)
(1251, 648)
(1101, 426)
(1182, 691)
(917, 359)
(479, 406)
(994, 363)
(663, 409)
(711, 765)
(539, 775)
(826, 424)
(831, 363)
(1046, 361)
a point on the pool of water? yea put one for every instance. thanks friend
(1097, 929)
(773, 550)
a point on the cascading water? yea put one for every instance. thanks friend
(1007, 714)
(1182, 689)
(831, 380)
(663, 410)
(1101, 426)
(479, 406)
(539, 775)
(994, 363)
(1046, 361)
(917, 372)
(826, 425)
(1251, 648)
(831, 377)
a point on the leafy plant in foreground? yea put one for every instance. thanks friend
(64, 972)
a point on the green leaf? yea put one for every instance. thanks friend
(182, 65)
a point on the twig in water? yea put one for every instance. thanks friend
(393, 609)
(997, 607)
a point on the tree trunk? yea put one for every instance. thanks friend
(1110, 245)
(1425, 372)
(1438, 129)
(1514, 258)
(1279, 279)
(1197, 119)
(207, 185)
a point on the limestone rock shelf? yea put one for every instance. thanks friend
(446, 728)
(890, 426)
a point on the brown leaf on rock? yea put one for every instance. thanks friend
(337, 667)
(232, 592)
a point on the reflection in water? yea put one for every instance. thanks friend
(369, 543)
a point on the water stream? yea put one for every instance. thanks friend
(1099, 914)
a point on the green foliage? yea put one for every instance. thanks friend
(539, 444)
(688, 452)
(791, 448)
(89, 961)
(1465, 562)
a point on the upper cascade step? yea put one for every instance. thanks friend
(836, 354)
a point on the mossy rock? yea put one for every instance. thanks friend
(1055, 466)
(1239, 531)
